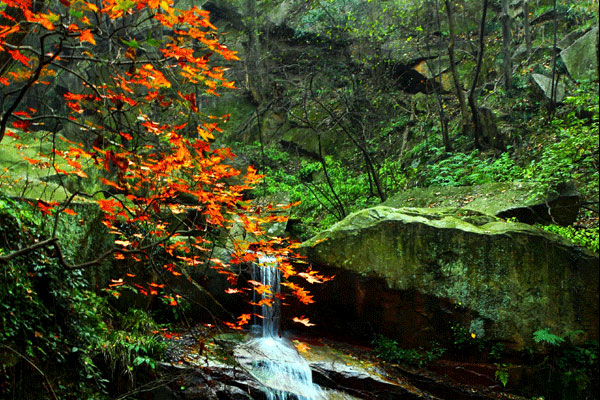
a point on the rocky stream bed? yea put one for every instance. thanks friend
(202, 364)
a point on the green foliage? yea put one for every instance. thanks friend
(497, 351)
(587, 237)
(305, 182)
(544, 335)
(389, 350)
(463, 169)
(72, 334)
(569, 151)
(572, 371)
(502, 373)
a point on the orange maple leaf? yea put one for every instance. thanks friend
(16, 54)
(302, 347)
(86, 36)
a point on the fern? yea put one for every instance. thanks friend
(544, 335)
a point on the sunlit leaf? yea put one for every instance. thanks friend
(302, 320)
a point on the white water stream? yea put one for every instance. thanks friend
(273, 360)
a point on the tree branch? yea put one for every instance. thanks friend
(46, 243)
(38, 71)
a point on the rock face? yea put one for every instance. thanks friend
(581, 58)
(489, 129)
(413, 273)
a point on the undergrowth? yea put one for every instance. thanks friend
(587, 237)
(389, 350)
(56, 330)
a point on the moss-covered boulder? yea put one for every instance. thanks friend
(581, 57)
(528, 202)
(414, 273)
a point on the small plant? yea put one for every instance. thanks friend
(544, 335)
(462, 169)
(389, 350)
(572, 371)
(497, 351)
(502, 373)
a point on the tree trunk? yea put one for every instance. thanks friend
(340, 206)
(472, 101)
(457, 86)
(438, 97)
(554, 77)
(254, 76)
(506, 39)
(527, 28)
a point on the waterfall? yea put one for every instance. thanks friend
(273, 360)
(267, 273)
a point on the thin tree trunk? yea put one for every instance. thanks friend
(472, 102)
(506, 39)
(459, 91)
(527, 28)
(340, 205)
(554, 77)
(438, 89)
(254, 77)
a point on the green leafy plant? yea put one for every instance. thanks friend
(49, 318)
(587, 237)
(497, 351)
(502, 373)
(572, 371)
(389, 350)
(544, 335)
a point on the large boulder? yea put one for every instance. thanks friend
(414, 274)
(570, 38)
(581, 58)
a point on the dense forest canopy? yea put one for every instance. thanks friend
(152, 149)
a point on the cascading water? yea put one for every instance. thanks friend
(267, 273)
(272, 360)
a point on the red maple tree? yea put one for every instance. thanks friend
(140, 68)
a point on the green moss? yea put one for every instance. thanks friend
(489, 198)
(21, 178)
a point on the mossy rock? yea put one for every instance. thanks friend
(581, 59)
(528, 202)
(542, 85)
(514, 277)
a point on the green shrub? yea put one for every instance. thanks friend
(389, 350)
(570, 372)
(587, 237)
